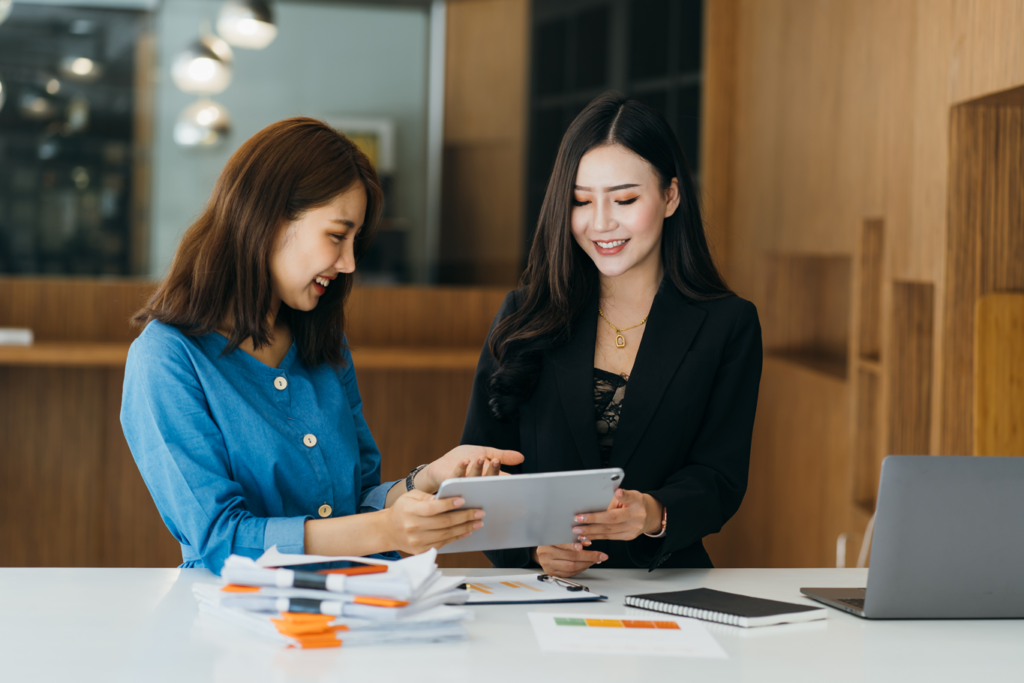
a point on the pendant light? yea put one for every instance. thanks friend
(204, 67)
(247, 23)
(202, 124)
(82, 69)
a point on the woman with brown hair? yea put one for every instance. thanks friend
(240, 400)
(624, 348)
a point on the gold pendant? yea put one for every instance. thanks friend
(620, 341)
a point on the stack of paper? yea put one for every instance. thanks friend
(378, 602)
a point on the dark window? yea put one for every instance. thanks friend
(658, 99)
(649, 35)
(592, 49)
(545, 135)
(687, 123)
(689, 34)
(549, 58)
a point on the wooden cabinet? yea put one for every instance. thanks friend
(70, 494)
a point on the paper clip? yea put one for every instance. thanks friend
(571, 586)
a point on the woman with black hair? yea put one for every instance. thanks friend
(623, 347)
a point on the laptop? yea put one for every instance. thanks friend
(948, 542)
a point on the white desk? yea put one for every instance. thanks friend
(107, 625)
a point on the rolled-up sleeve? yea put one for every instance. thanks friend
(181, 454)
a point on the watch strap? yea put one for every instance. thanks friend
(410, 481)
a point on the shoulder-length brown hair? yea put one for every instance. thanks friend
(222, 266)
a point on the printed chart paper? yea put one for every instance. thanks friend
(621, 635)
(500, 590)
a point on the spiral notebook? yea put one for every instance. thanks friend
(726, 608)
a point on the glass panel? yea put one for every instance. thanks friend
(97, 177)
(66, 136)
(318, 65)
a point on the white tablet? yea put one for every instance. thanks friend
(527, 510)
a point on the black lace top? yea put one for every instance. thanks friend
(609, 392)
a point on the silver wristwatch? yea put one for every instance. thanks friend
(410, 481)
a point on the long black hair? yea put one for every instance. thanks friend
(560, 276)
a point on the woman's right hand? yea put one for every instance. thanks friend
(418, 522)
(566, 560)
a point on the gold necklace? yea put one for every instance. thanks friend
(620, 341)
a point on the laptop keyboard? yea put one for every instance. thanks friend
(853, 602)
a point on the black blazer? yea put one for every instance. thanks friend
(684, 431)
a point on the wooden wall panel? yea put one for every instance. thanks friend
(985, 246)
(486, 80)
(422, 316)
(805, 316)
(867, 440)
(51, 423)
(718, 108)
(482, 216)
(910, 368)
(415, 417)
(850, 110)
(871, 284)
(791, 514)
(71, 309)
(999, 375)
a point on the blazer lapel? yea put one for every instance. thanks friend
(574, 372)
(671, 328)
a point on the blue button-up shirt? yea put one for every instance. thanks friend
(237, 454)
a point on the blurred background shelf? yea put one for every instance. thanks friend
(101, 355)
(65, 354)
(829, 364)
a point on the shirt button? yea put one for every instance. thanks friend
(325, 510)
(280, 384)
(309, 440)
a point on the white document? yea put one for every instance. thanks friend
(624, 635)
(520, 588)
(275, 558)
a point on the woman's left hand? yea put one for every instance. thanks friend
(630, 514)
(465, 461)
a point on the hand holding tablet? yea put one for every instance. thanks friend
(529, 510)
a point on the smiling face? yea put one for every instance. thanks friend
(618, 210)
(312, 250)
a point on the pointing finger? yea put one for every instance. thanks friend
(505, 457)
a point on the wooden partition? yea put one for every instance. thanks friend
(985, 250)
(868, 188)
(70, 494)
(999, 375)
(484, 183)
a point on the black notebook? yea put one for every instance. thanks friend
(726, 608)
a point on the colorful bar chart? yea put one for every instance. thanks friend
(622, 634)
(615, 623)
